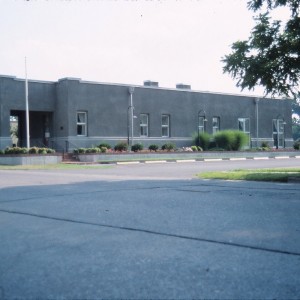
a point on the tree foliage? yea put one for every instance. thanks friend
(271, 56)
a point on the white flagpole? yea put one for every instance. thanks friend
(27, 108)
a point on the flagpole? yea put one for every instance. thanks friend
(27, 108)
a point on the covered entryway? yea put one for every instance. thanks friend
(40, 128)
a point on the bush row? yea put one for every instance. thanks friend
(23, 150)
(230, 140)
(123, 146)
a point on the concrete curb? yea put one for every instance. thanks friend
(139, 161)
(183, 157)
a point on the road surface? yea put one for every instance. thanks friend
(148, 232)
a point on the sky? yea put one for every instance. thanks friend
(124, 41)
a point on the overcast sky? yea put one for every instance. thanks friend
(124, 41)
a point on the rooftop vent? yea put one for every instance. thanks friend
(151, 83)
(182, 86)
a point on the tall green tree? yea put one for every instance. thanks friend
(271, 56)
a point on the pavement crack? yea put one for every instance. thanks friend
(79, 193)
(199, 239)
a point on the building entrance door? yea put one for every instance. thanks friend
(278, 133)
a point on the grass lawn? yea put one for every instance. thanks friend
(276, 174)
(54, 167)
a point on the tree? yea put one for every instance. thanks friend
(271, 56)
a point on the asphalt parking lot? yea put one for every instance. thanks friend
(147, 239)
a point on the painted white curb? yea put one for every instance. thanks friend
(281, 157)
(155, 161)
(185, 160)
(258, 158)
(213, 159)
(128, 162)
(238, 158)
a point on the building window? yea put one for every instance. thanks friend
(201, 124)
(144, 125)
(278, 133)
(216, 124)
(81, 123)
(244, 125)
(165, 126)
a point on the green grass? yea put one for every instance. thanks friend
(54, 167)
(276, 174)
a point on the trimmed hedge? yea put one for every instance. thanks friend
(137, 147)
(153, 147)
(23, 150)
(104, 145)
(168, 147)
(121, 146)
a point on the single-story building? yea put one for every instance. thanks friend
(72, 113)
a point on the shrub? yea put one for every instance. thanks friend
(34, 150)
(240, 140)
(137, 147)
(50, 151)
(81, 150)
(105, 145)
(153, 147)
(265, 145)
(121, 146)
(1, 152)
(297, 144)
(196, 148)
(16, 150)
(42, 151)
(230, 139)
(212, 144)
(23, 151)
(224, 139)
(103, 149)
(92, 150)
(8, 150)
(168, 146)
(202, 140)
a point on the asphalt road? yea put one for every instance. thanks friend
(148, 232)
(160, 171)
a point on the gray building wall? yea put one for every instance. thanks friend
(12, 102)
(107, 107)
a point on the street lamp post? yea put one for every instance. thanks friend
(27, 108)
